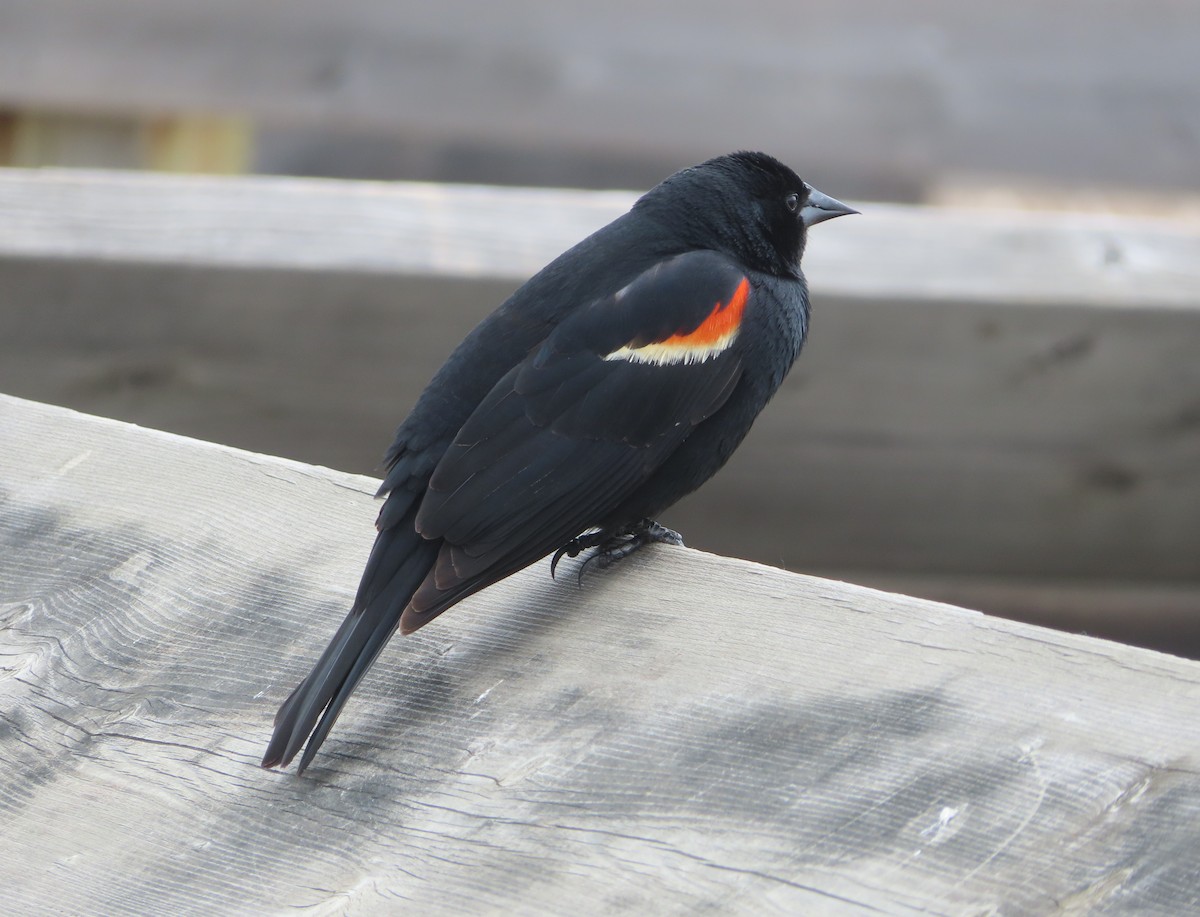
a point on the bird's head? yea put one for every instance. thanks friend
(757, 209)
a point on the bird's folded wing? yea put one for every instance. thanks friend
(568, 434)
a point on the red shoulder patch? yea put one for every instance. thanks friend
(712, 336)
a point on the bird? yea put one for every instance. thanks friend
(615, 381)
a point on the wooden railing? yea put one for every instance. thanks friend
(681, 733)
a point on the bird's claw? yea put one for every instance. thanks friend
(613, 547)
(577, 546)
(570, 549)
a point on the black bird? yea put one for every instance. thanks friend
(614, 382)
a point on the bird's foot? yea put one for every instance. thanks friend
(614, 546)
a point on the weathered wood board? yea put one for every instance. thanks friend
(987, 402)
(887, 98)
(683, 733)
(890, 252)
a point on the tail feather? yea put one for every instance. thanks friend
(375, 643)
(310, 711)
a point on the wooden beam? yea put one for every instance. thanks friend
(894, 252)
(681, 733)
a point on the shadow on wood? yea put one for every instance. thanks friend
(686, 731)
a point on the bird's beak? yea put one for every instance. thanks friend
(821, 207)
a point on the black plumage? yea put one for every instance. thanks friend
(614, 382)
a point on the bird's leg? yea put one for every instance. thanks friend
(614, 546)
(622, 544)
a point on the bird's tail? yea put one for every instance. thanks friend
(311, 710)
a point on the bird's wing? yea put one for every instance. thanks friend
(576, 427)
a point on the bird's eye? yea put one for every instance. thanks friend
(792, 201)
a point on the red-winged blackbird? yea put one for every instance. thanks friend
(613, 383)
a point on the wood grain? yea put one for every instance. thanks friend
(894, 253)
(686, 732)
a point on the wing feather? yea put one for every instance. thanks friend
(570, 432)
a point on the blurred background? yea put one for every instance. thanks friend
(1000, 402)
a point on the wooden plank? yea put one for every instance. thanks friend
(895, 252)
(983, 398)
(1162, 614)
(884, 98)
(295, 224)
(684, 732)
